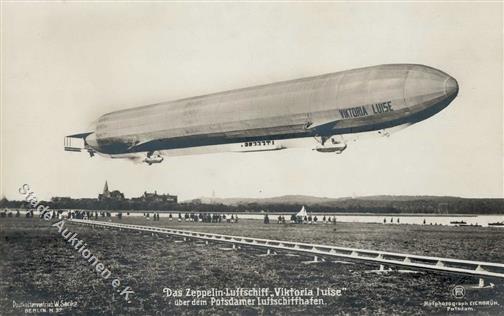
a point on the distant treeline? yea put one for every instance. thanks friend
(463, 206)
(434, 205)
(94, 204)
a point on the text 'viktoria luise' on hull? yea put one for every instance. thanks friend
(275, 116)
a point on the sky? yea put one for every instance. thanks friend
(64, 64)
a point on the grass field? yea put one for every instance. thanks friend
(38, 265)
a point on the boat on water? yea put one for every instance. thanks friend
(496, 224)
(458, 222)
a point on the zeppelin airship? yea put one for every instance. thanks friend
(322, 112)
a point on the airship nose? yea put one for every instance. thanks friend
(428, 87)
(451, 87)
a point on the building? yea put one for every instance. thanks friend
(110, 195)
(155, 197)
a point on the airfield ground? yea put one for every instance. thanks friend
(37, 265)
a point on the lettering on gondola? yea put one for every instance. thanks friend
(258, 143)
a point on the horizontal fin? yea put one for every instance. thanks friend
(139, 144)
(81, 135)
(320, 125)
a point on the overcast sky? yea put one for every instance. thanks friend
(65, 64)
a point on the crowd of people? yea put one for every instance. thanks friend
(186, 217)
(89, 214)
(204, 218)
(308, 219)
(94, 215)
(197, 217)
(7, 213)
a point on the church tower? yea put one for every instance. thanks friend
(106, 193)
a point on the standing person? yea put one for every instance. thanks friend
(266, 219)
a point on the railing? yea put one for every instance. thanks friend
(467, 267)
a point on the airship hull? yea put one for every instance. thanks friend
(355, 101)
